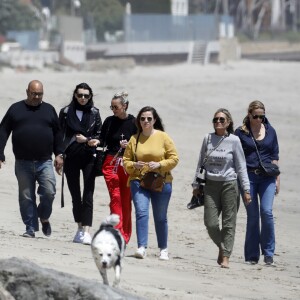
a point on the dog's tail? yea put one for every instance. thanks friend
(111, 220)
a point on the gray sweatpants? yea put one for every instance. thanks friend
(221, 197)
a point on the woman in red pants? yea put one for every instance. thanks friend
(115, 133)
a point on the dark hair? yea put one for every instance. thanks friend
(256, 104)
(123, 96)
(84, 86)
(158, 122)
(229, 118)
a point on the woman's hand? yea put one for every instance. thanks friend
(93, 142)
(198, 192)
(277, 185)
(139, 165)
(247, 198)
(123, 143)
(153, 165)
(81, 138)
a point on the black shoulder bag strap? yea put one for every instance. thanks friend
(257, 152)
(137, 140)
(210, 152)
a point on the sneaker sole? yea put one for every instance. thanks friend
(140, 256)
(27, 235)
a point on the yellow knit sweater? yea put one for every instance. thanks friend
(158, 147)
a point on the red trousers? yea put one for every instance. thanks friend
(120, 196)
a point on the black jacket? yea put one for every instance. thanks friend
(93, 130)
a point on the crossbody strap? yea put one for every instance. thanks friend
(210, 152)
(137, 140)
(257, 152)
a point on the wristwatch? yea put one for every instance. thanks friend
(61, 155)
(247, 191)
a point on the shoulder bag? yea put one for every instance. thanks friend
(151, 181)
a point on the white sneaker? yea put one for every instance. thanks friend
(78, 237)
(87, 239)
(164, 255)
(140, 252)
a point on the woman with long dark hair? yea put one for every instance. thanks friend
(81, 124)
(151, 150)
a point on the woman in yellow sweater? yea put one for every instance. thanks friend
(151, 150)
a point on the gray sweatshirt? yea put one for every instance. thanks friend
(227, 162)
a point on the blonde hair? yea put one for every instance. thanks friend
(123, 96)
(228, 116)
(256, 104)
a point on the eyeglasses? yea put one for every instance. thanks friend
(34, 94)
(85, 96)
(112, 107)
(221, 120)
(262, 117)
(149, 119)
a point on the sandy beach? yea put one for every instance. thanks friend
(186, 97)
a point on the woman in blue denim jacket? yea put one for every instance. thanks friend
(256, 134)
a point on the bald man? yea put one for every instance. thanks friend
(35, 137)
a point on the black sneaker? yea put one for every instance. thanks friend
(46, 228)
(29, 234)
(253, 261)
(268, 260)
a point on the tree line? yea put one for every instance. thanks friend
(250, 16)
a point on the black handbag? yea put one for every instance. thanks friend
(100, 156)
(269, 169)
(196, 201)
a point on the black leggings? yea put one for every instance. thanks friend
(82, 206)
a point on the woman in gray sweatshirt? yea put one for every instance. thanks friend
(221, 164)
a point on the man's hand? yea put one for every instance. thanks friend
(58, 164)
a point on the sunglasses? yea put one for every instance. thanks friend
(149, 119)
(85, 96)
(221, 120)
(34, 94)
(262, 117)
(112, 107)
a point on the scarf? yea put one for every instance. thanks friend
(74, 123)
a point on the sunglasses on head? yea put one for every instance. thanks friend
(85, 96)
(149, 119)
(221, 120)
(262, 117)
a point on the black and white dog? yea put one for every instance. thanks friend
(108, 247)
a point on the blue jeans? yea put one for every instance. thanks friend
(262, 189)
(160, 202)
(28, 173)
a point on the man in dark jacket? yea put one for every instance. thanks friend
(35, 136)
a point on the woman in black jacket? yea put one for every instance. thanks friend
(81, 123)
